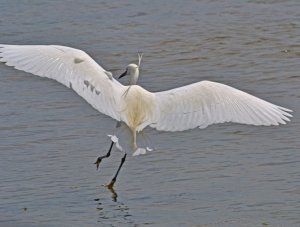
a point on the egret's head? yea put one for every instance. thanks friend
(133, 71)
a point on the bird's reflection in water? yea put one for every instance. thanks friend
(116, 211)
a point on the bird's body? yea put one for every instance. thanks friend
(196, 105)
(138, 108)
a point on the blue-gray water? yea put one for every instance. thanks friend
(225, 175)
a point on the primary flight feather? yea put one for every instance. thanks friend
(195, 105)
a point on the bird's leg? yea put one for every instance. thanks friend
(111, 184)
(99, 159)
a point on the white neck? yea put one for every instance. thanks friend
(134, 77)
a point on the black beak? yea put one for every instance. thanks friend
(123, 74)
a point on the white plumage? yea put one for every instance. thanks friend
(196, 105)
(205, 103)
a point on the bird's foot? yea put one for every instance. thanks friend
(111, 184)
(97, 163)
(114, 195)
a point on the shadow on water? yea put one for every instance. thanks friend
(116, 210)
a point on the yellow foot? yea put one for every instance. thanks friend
(111, 184)
(110, 187)
(98, 162)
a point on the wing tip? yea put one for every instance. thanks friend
(285, 109)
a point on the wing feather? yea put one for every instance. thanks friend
(71, 67)
(205, 103)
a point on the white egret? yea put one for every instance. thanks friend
(195, 105)
(133, 71)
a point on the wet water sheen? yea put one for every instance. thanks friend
(225, 175)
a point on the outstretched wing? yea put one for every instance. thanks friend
(71, 67)
(205, 103)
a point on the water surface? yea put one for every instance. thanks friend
(225, 175)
